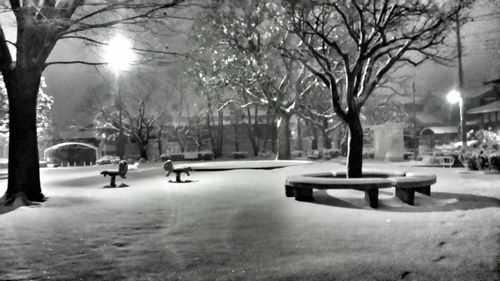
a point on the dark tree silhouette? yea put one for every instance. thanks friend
(40, 25)
(352, 45)
(245, 48)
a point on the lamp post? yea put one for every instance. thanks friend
(453, 97)
(119, 55)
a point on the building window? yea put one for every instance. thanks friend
(493, 117)
(485, 118)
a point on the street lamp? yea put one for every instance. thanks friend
(119, 55)
(453, 97)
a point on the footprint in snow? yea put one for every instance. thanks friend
(439, 259)
(404, 274)
(120, 244)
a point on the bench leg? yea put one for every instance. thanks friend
(178, 177)
(371, 196)
(302, 194)
(424, 190)
(112, 183)
(406, 195)
(289, 191)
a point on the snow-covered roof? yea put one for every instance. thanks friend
(427, 118)
(490, 107)
(440, 130)
(495, 81)
(475, 92)
(472, 122)
(59, 145)
(86, 134)
(468, 92)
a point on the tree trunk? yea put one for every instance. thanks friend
(269, 129)
(160, 138)
(236, 140)
(220, 133)
(283, 144)
(314, 142)
(210, 133)
(355, 146)
(300, 143)
(274, 136)
(327, 142)
(143, 151)
(252, 131)
(180, 140)
(199, 140)
(160, 149)
(24, 171)
(256, 129)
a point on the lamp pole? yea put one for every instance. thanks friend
(120, 142)
(119, 56)
(453, 97)
(462, 124)
(414, 107)
(463, 134)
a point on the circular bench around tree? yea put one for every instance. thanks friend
(406, 184)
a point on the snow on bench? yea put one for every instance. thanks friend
(406, 184)
(409, 184)
(122, 172)
(168, 166)
(191, 155)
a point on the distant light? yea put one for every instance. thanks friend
(119, 54)
(454, 96)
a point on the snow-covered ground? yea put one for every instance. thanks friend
(238, 225)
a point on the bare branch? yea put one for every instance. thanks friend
(74, 62)
(5, 56)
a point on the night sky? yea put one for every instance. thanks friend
(70, 84)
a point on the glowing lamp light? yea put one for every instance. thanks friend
(119, 54)
(454, 96)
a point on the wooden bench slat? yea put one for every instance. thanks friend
(373, 174)
(406, 184)
(413, 181)
(338, 183)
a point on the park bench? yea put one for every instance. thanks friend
(168, 166)
(406, 185)
(122, 172)
(409, 184)
(314, 154)
(445, 161)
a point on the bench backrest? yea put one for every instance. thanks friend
(168, 166)
(122, 168)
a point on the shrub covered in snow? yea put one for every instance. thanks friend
(205, 155)
(108, 159)
(177, 156)
(265, 154)
(368, 154)
(239, 154)
(331, 153)
(484, 154)
(494, 162)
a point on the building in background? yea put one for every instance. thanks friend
(485, 107)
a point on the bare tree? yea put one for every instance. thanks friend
(352, 45)
(246, 45)
(141, 123)
(40, 25)
(318, 113)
